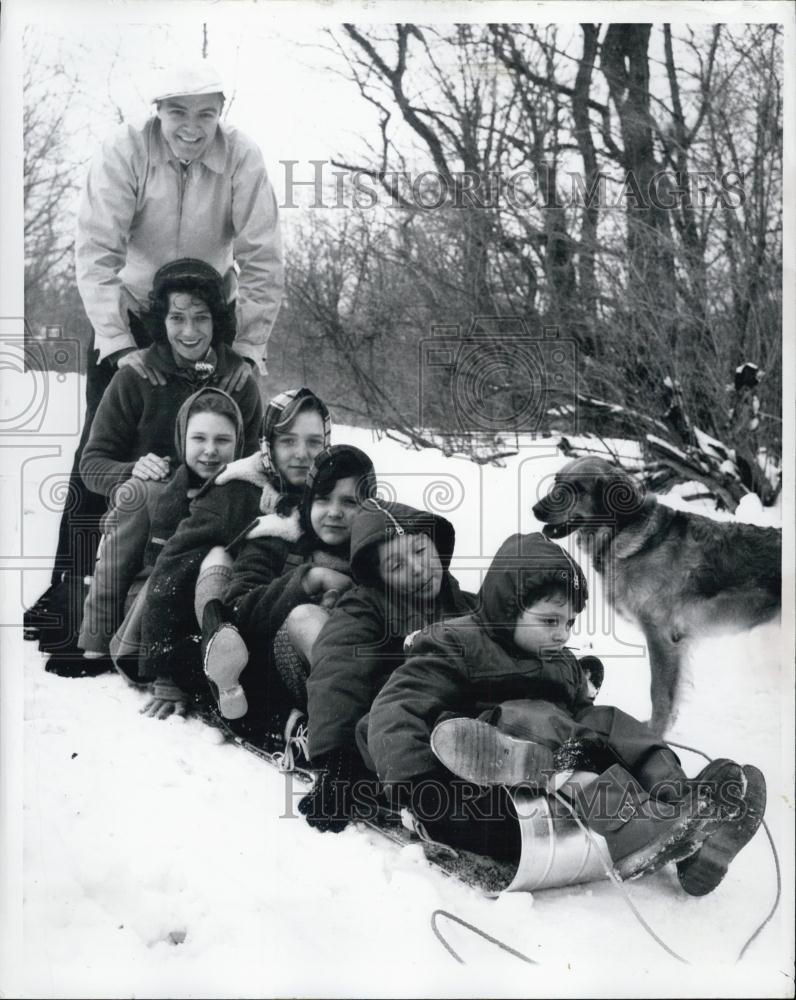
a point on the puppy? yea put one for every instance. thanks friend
(678, 575)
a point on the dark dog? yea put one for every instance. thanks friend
(679, 576)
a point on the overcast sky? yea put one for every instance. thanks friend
(278, 80)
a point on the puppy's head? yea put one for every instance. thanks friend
(587, 493)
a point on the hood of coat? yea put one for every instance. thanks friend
(184, 412)
(335, 462)
(380, 520)
(280, 410)
(522, 562)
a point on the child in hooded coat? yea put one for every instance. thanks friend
(495, 698)
(363, 640)
(221, 513)
(279, 581)
(147, 512)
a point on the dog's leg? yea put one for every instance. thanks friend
(665, 664)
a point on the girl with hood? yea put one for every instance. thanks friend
(207, 436)
(286, 576)
(296, 427)
(132, 433)
(400, 559)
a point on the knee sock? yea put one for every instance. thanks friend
(212, 584)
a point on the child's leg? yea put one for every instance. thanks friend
(215, 574)
(304, 624)
(292, 646)
(654, 765)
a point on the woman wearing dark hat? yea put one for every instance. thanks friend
(133, 430)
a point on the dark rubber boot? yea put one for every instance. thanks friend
(642, 835)
(702, 872)
(224, 658)
(481, 753)
(662, 776)
(78, 666)
(37, 616)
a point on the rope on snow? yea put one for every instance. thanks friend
(476, 930)
(620, 885)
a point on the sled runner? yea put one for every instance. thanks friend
(555, 852)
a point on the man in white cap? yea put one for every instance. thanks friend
(183, 185)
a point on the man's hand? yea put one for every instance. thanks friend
(321, 578)
(152, 467)
(167, 699)
(135, 360)
(235, 379)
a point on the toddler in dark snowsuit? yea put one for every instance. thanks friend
(498, 699)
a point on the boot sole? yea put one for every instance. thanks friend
(480, 753)
(679, 842)
(225, 660)
(702, 872)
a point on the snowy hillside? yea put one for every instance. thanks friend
(158, 862)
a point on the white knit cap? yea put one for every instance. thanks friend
(187, 79)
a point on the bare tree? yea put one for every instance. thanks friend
(49, 175)
(667, 298)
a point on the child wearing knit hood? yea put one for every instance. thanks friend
(209, 433)
(400, 559)
(296, 426)
(496, 700)
(287, 574)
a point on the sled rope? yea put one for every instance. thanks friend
(476, 930)
(609, 871)
(775, 856)
(410, 822)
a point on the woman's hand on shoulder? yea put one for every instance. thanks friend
(152, 467)
(135, 360)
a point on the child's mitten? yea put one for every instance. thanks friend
(330, 804)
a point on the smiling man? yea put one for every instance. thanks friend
(182, 185)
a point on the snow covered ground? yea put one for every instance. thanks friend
(158, 862)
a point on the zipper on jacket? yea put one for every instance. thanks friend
(183, 174)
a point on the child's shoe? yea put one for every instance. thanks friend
(224, 659)
(481, 753)
(700, 873)
(296, 753)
